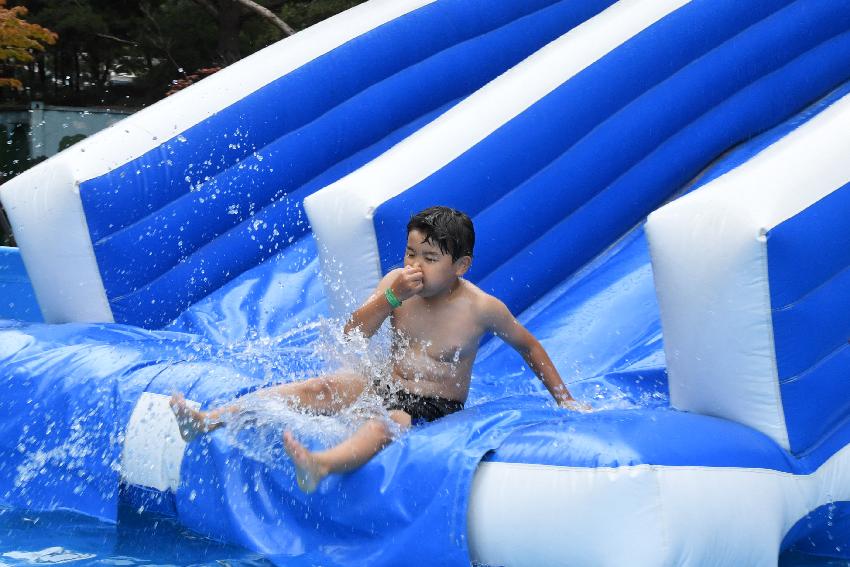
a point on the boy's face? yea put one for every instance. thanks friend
(439, 272)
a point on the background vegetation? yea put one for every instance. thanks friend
(131, 52)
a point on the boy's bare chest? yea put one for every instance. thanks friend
(446, 335)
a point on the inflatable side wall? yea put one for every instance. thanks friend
(750, 272)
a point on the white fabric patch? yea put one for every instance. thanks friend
(153, 448)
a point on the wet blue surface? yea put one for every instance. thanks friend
(138, 539)
(146, 539)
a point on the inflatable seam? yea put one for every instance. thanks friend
(645, 466)
(784, 440)
(811, 291)
(831, 354)
(650, 151)
(664, 521)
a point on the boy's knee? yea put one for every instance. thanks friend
(319, 388)
(401, 417)
(379, 429)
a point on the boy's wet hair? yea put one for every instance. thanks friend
(447, 228)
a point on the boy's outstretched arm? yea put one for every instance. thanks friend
(504, 325)
(368, 318)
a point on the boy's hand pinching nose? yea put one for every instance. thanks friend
(408, 283)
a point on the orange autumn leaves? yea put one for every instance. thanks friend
(18, 40)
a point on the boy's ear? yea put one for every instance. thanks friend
(462, 264)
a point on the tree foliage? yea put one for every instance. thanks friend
(18, 40)
(132, 52)
(304, 13)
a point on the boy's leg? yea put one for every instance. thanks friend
(325, 394)
(352, 453)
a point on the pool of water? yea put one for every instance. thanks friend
(138, 539)
(151, 540)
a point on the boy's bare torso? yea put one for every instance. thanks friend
(435, 341)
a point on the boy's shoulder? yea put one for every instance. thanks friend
(483, 301)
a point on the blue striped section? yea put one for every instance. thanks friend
(558, 184)
(270, 231)
(617, 438)
(809, 274)
(295, 158)
(250, 207)
(593, 225)
(746, 151)
(564, 150)
(285, 105)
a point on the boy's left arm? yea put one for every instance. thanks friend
(504, 325)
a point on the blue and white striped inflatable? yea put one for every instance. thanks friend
(194, 245)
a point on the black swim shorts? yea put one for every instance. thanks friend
(419, 408)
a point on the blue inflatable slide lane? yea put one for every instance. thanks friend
(631, 167)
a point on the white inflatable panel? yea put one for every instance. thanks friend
(709, 257)
(341, 214)
(153, 448)
(44, 206)
(46, 214)
(653, 515)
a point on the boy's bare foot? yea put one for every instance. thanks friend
(575, 405)
(191, 422)
(308, 471)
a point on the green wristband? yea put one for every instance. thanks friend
(392, 299)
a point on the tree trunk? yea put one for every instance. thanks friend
(267, 14)
(107, 66)
(94, 71)
(42, 71)
(229, 13)
(57, 67)
(77, 77)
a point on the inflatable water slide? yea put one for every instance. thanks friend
(659, 189)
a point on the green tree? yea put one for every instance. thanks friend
(304, 13)
(230, 16)
(158, 42)
(18, 40)
(68, 141)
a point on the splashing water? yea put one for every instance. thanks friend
(71, 456)
(257, 427)
(52, 555)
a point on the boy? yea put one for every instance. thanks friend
(437, 320)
